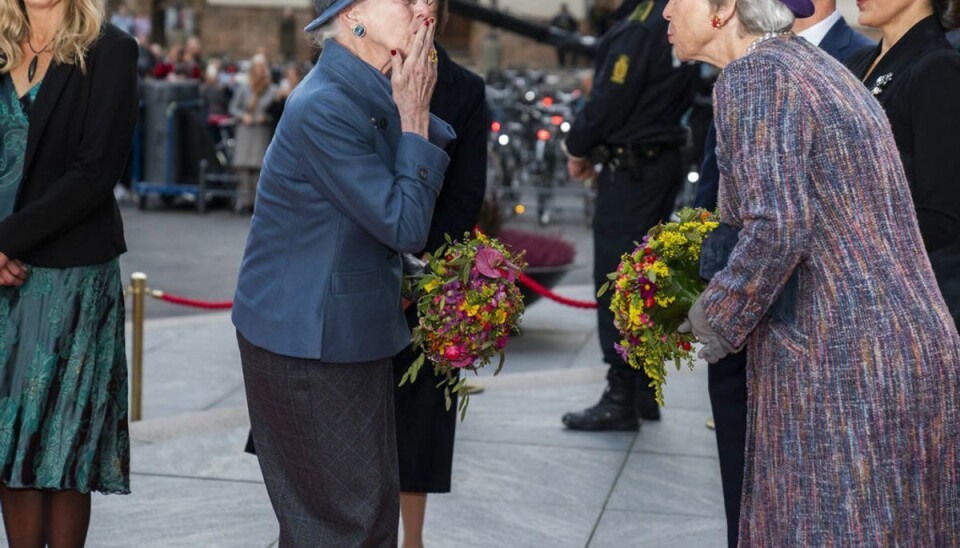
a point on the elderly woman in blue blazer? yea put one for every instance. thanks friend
(347, 184)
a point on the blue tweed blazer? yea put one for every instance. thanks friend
(342, 191)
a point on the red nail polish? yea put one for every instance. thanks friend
(393, 52)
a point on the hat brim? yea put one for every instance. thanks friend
(327, 15)
(801, 8)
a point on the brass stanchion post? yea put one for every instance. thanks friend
(138, 283)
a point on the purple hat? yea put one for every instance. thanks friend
(800, 8)
(326, 10)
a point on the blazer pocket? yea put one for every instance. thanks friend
(348, 283)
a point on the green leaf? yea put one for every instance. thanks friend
(503, 358)
(415, 367)
(446, 398)
(603, 289)
(464, 403)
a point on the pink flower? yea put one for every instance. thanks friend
(489, 262)
(452, 352)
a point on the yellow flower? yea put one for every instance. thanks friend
(431, 285)
(660, 269)
(636, 309)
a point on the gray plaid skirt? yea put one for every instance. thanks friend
(327, 447)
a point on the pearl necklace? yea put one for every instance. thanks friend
(767, 36)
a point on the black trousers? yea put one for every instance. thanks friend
(628, 205)
(727, 384)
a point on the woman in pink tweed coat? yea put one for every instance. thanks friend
(854, 375)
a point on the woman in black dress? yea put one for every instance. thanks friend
(915, 74)
(425, 429)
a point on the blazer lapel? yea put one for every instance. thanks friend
(50, 90)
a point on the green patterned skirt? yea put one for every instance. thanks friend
(63, 381)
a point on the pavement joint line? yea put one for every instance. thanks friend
(666, 454)
(672, 514)
(613, 487)
(196, 478)
(543, 445)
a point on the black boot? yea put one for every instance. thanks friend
(647, 407)
(616, 409)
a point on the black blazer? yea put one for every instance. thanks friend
(917, 83)
(460, 100)
(79, 138)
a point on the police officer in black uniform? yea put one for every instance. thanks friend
(630, 125)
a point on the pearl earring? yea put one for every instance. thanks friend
(359, 31)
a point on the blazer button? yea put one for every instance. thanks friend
(382, 123)
(391, 254)
(422, 173)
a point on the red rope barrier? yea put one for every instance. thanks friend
(195, 304)
(544, 292)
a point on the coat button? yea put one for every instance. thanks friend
(382, 123)
(422, 173)
(391, 254)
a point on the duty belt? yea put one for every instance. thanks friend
(616, 156)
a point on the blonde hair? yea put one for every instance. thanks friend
(259, 81)
(82, 23)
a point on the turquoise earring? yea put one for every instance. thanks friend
(359, 31)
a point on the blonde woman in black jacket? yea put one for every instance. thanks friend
(68, 102)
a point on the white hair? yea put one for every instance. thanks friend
(762, 16)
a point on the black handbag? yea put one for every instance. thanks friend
(714, 256)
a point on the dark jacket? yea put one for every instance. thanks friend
(81, 130)
(842, 41)
(638, 95)
(917, 82)
(460, 100)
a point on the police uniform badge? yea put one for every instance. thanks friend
(620, 69)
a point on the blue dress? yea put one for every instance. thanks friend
(63, 369)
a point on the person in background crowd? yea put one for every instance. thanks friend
(348, 183)
(249, 106)
(68, 106)
(167, 67)
(853, 373)
(146, 60)
(192, 60)
(632, 125)
(727, 379)
(425, 428)
(915, 74)
(122, 19)
(564, 21)
(213, 91)
(292, 74)
(142, 26)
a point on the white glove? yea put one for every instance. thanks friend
(715, 347)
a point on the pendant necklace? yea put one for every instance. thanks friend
(32, 69)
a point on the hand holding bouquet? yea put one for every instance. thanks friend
(469, 304)
(654, 287)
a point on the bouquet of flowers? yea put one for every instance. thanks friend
(654, 288)
(468, 305)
